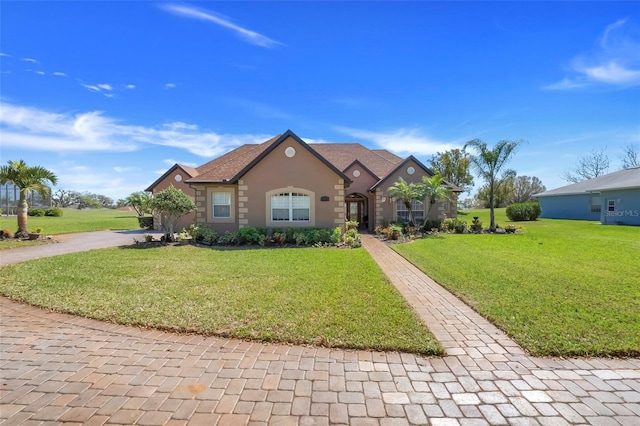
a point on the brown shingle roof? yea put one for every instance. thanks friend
(342, 155)
(339, 155)
(227, 166)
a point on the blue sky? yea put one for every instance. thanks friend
(109, 95)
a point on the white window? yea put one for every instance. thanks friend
(221, 205)
(611, 205)
(402, 213)
(595, 204)
(290, 207)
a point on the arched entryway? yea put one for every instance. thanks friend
(356, 205)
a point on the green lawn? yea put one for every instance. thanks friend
(560, 288)
(74, 220)
(330, 297)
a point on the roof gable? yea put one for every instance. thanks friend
(342, 155)
(189, 171)
(232, 166)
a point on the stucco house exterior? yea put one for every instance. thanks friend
(612, 199)
(285, 182)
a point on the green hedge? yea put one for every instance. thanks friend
(35, 211)
(523, 212)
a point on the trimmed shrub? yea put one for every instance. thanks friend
(53, 212)
(523, 212)
(35, 211)
(249, 235)
(145, 222)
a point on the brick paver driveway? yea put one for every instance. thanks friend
(56, 368)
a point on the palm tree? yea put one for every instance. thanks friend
(27, 179)
(406, 192)
(435, 189)
(489, 163)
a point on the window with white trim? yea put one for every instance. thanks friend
(611, 205)
(402, 213)
(221, 205)
(595, 204)
(290, 207)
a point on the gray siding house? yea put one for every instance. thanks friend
(613, 199)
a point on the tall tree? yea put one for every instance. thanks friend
(589, 166)
(406, 192)
(435, 189)
(28, 179)
(502, 195)
(630, 156)
(62, 198)
(524, 187)
(454, 167)
(490, 164)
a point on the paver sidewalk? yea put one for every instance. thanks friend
(56, 368)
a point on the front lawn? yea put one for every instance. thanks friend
(329, 297)
(74, 220)
(561, 288)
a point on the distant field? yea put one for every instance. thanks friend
(74, 220)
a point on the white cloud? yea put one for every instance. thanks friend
(105, 86)
(405, 141)
(171, 162)
(119, 169)
(91, 87)
(249, 36)
(130, 86)
(30, 60)
(170, 85)
(40, 72)
(5, 54)
(614, 61)
(34, 129)
(59, 74)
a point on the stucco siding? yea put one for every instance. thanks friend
(620, 207)
(303, 172)
(576, 206)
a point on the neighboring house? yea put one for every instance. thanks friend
(613, 198)
(285, 182)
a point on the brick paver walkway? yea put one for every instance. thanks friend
(56, 368)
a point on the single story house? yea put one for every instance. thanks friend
(613, 198)
(286, 182)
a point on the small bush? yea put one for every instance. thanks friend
(433, 223)
(203, 234)
(145, 222)
(249, 235)
(53, 212)
(352, 238)
(0, 210)
(523, 212)
(35, 211)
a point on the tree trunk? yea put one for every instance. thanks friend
(23, 207)
(408, 206)
(492, 215)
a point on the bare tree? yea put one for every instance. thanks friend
(630, 154)
(589, 166)
(524, 187)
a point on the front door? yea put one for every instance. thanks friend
(354, 211)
